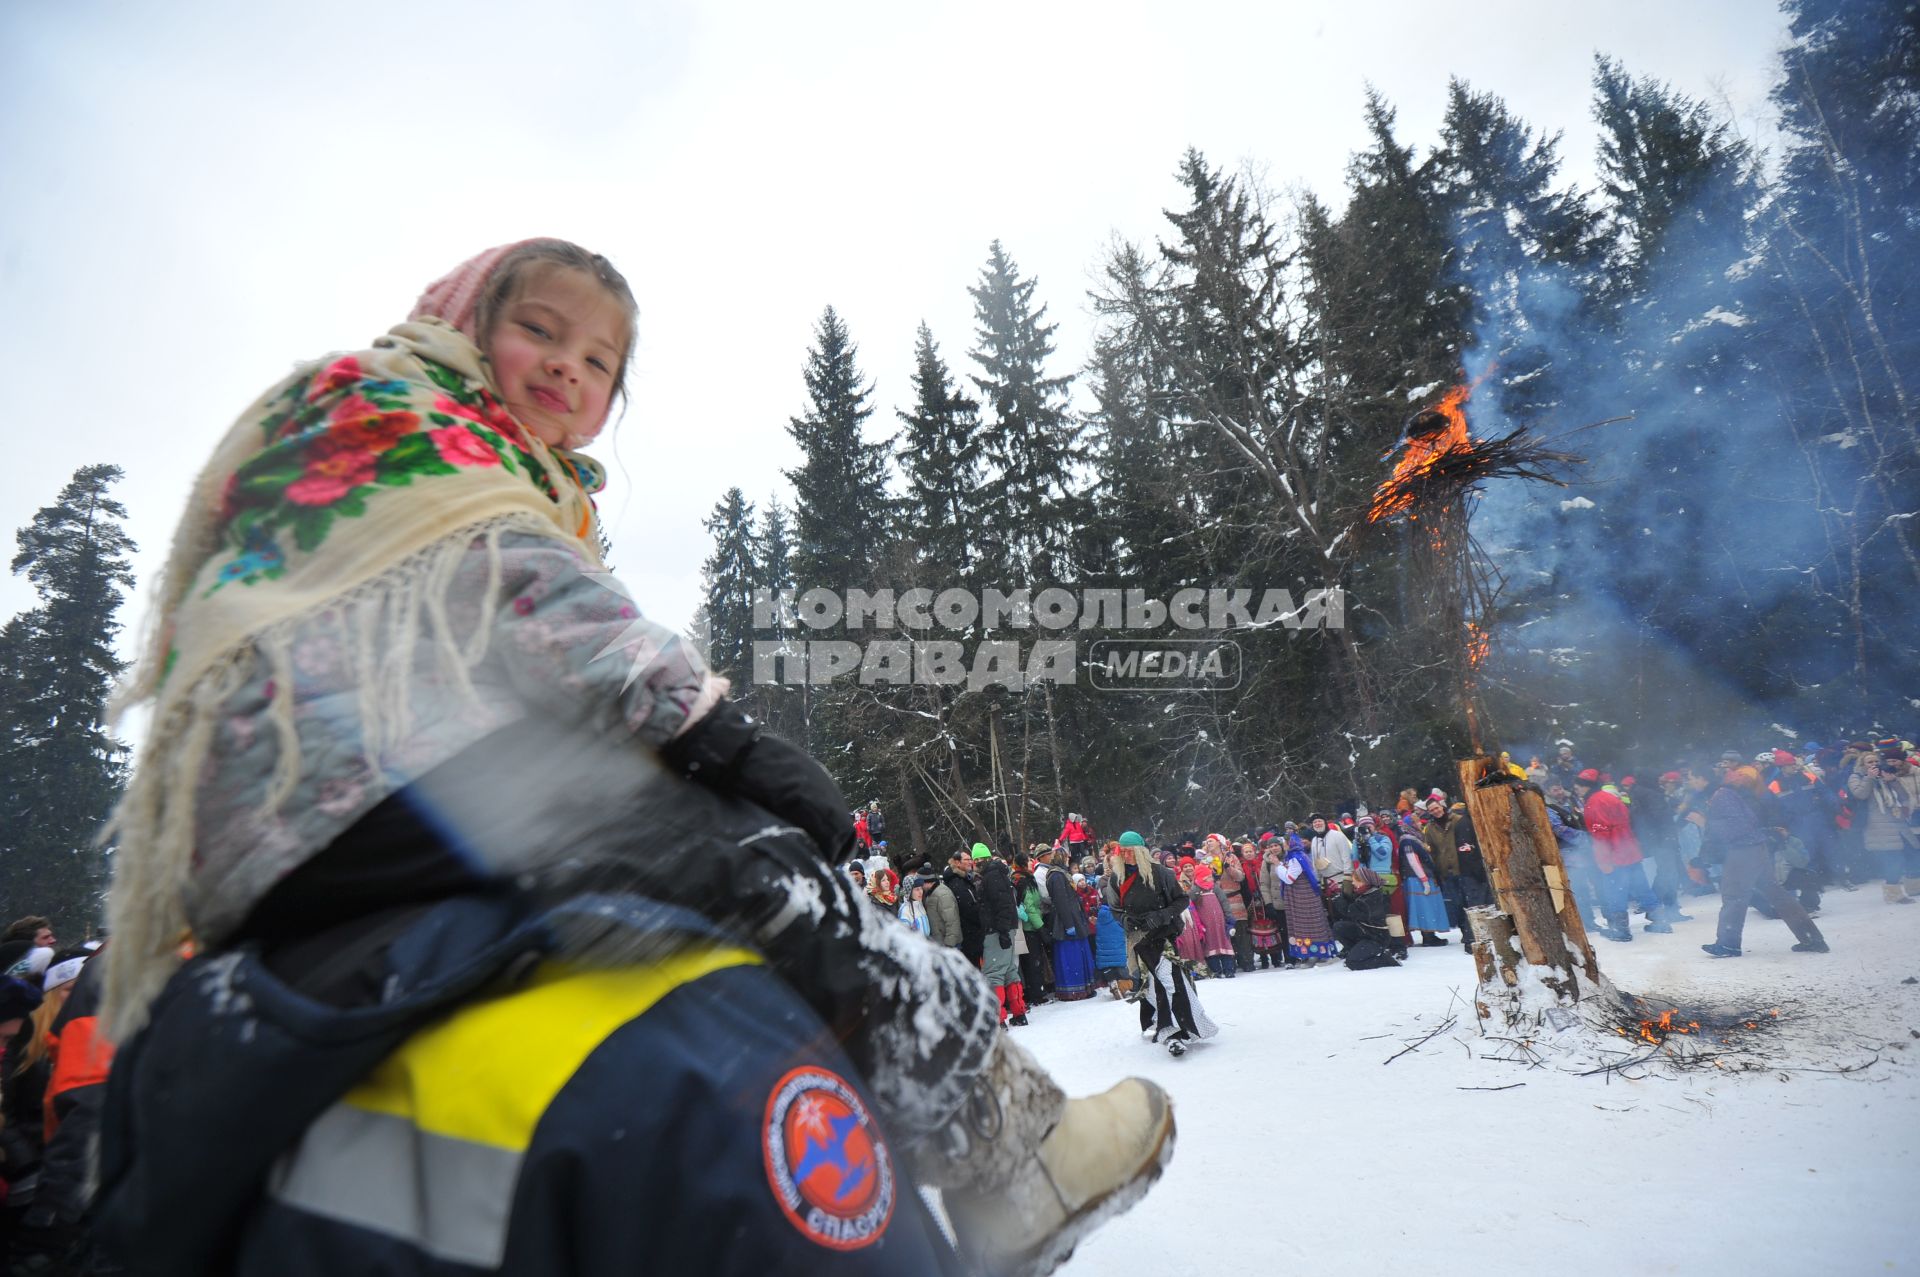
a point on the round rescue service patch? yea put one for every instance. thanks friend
(830, 1171)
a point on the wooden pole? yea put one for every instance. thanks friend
(1527, 876)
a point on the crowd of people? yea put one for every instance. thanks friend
(53, 1068)
(1057, 922)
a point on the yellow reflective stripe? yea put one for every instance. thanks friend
(489, 1072)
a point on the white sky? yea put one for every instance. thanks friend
(196, 195)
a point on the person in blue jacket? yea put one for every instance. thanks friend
(1110, 951)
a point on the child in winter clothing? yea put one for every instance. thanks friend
(390, 674)
(1110, 952)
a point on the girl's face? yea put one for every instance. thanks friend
(555, 349)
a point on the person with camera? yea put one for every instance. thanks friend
(1884, 783)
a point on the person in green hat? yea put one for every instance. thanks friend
(1156, 910)
(1000, 918)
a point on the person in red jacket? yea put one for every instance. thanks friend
(1616, 853)
(1075, 837)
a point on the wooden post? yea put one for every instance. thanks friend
(1493, 950)
(1529, 881)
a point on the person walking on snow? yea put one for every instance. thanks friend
(1738, 835)
(1617, 859)
(1170, 1010)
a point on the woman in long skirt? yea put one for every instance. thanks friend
(1309, 935)
(1151, 898)
(1190, 945)
(1211, 914)
(1426, 903)
(1067, 928)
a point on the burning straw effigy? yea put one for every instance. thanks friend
(1441, 469)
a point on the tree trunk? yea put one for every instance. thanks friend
(916, 831)
(1531, 901)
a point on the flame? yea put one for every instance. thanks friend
(1423, 452)
(1656, 1031)
(1479, 643)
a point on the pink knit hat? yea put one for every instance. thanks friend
(456, 295)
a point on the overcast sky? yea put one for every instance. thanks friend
(194, 196)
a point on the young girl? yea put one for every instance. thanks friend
(913, 910)
(390, 671)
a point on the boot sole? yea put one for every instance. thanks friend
(1057, 1249)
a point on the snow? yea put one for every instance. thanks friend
(1576, 503)
(1701, 1174)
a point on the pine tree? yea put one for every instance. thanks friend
(939, 452)
(1387, 323)
(840, 497)
(773, 569)
(62, 770)
(729, 577)
(1030, 500)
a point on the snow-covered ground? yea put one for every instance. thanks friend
(1301, 1150)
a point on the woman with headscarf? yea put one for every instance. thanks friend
(1190, 945)
(1210, 908)
(1233, 883)
(1067, 928)
(1263, 933)
(1156, 910)
(1426, 903)
(1309, 937)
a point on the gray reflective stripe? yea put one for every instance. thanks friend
(449, 1197)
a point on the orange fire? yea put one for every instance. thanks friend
(1479, 643)
(1424, 451)
(1656, 1031)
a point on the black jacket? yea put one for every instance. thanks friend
(973, 927)
(1367, 908)
(1153, 906)
(1064, 912)
(998, 915)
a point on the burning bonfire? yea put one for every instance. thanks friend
(1442, 463)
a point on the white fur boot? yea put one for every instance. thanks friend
(1034, 1172)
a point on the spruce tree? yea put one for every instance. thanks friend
(773, 567)
(729, 577)
(840, 497)
(62, 770)
(1030, 501)
(939, 452)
